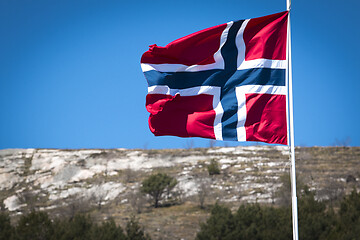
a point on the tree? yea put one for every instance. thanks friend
(6, 230)
(134, 231)
(213, 167)
(218, 226)
(158, 184)
(254, 221)
(249, 222)
(314, 221)
(349, 217)
(108, 231)
(77, 228)
(34, 226)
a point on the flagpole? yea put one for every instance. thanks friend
(291, 126)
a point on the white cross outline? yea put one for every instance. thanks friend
(241, 98)
(242, 64)
(241, 91)
(194, 91)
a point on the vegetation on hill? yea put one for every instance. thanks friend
(248, 188)
(38, 226)
(156, 185)
(250, 221)
(316, 221)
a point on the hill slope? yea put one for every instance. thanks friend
(106, 182)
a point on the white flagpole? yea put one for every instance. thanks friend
(291, 126)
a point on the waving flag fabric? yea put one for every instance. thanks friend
(226, 82)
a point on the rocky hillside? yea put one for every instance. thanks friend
(106, 182)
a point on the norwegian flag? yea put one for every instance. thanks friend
(226, 82)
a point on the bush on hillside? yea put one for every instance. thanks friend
(249, 222)
(348, 219)
(6, 229)
(38, 226)
(213, 167)
(34, 226)
(134, 231)
(156, 185)
(316, 221)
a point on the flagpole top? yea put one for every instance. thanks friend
(288, 5)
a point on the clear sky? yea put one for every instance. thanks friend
(70, 73)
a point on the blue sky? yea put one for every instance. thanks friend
(70, 73)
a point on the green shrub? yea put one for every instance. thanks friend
(213, 167)
(34, 226)
(6, 230)
(134, 231)
(38, 226)
(249, 222)
(348, 221)
(156, 185)
(108, 231)
(219, 226)
(79, 227)
(316, 221)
